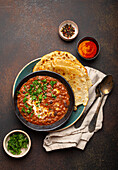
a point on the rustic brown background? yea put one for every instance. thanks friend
(29, 29)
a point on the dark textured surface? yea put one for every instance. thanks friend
(29, 29)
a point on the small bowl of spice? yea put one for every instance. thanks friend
(17, 143)
(88, 48)
(68, 30)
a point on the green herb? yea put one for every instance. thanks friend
(54, 96)
(18, 92)
(46, 104)
(53, 83)
(38, 116)
(44, 80)
(31, 115)
(23, 109)
(31, 85)
(28, 111)
(16, 142)
(45, 96)
(30, 108)
(25, 88)
(36, 82)
(45, 87)
(39, 90)
(25, 99)
(33, 98)
(34, 93)
(26, 105)
(26, 94)
(49, 108)
(23, 91)
(40, 97)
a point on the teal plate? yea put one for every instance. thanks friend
(28, 69)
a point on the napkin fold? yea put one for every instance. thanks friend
(72, 137)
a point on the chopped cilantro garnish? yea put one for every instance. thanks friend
(45, 87)
(34, 93)
(36, 82)
(26, 105)
(33, 97)
(25, 88)
(44, 80)
(23, 109)
(39, 90)
(46, 104)
(26, 94)
(38, 116)
(54, 96)
(49, 108)
(18, 92)
(16, 142)
(23, 91)
(25, 99)
(31, 85)
(52, 83)
(31, 115)
(45, 96)
(40, 97)
(28, 111)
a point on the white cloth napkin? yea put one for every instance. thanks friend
(79, 137)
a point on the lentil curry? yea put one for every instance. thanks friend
(43, 100)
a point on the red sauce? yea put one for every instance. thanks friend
(43, 100)
(87, 49)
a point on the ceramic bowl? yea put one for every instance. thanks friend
(56, 124)
(89, 39)
(24, 150)
(73, 24)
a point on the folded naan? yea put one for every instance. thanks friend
(71, 69)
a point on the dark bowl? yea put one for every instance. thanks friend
(56, 124)
(90, 39)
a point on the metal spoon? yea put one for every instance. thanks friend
(105, 88)
(98, 94)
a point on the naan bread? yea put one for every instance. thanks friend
(71, 69)
(47, 59)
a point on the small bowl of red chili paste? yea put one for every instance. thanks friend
(43, 100)
(68, 30)
(88, 48)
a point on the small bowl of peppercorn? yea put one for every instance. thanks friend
(68, 30)
(17, 143)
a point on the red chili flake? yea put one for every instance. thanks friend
(68, 30)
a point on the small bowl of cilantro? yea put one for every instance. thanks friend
(17, 143)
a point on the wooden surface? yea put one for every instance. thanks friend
(29, 29)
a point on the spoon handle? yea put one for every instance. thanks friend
(79, 122)
(92, 124)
